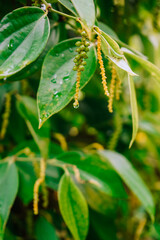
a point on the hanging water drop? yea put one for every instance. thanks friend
(4, 79)
(62, 55)
(76, 105)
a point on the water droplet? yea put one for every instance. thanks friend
(56, 94)
(54, 78)
(57, 54)
(66, 77)
(70, 49)
(61, 82)
(10, 45)
(75, 105)
(4, 79)
(46, 115)
(62, 55)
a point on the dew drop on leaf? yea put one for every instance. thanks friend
(70, 49)
(61, 82)
(10, 45)
(56, 94)
(66, 77)
(54, 78)
(62, 55)
(47, 115)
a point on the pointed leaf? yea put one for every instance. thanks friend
(58, 80)
(123, 64)
(27, 108)
(8, 191)
(23, 36)
(131, 178)
(69, 6)
(148, 66)
(73, 208)
(85, 11)
(134, 108)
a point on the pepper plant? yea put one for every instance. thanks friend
(48, 54)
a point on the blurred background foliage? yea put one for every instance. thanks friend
(137, 23)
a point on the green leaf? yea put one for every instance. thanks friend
(23, 35)
(37, 64)
(44, 230)
(27, 180)
(68, 5)
(134, 108)
(58, 80)
(27, 108)
(98, 186)
(148, 66)
(105, 28)
(8, 192)
(73, 208)
(122, 64)
(130, 176)
(85, 11)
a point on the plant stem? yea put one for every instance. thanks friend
(48, 6)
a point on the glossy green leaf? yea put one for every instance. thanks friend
(73, 208)
(68, 5)
(8, 192)
(58, 80)
(131, 178)
(44, 230)
(85, 10)
(134, 108)
(148, 66)
(27, 107)
(37, 64)
(23, 35)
